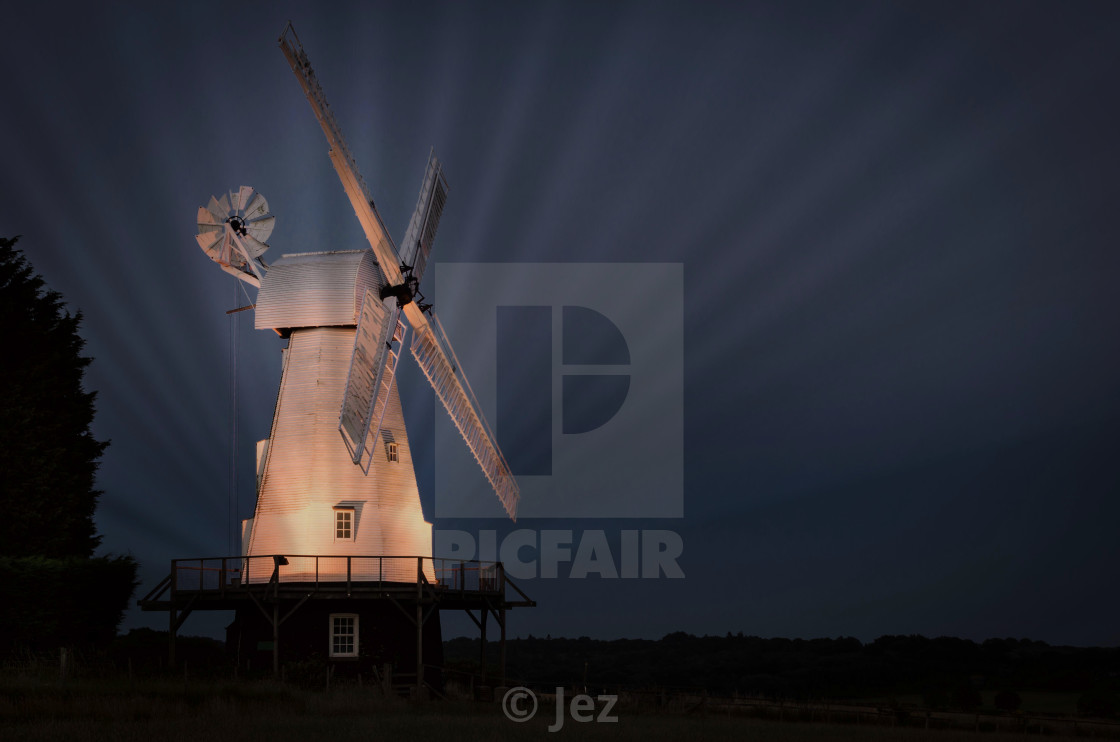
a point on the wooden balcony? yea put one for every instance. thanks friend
(223, 583)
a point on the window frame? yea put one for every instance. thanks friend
(347, 515)
(332, 635)
(392, 452)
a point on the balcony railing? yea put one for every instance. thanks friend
(224, 574)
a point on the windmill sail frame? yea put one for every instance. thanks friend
(435, 357)
(421, 234)
(372, 370)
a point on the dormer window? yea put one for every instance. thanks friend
(391, 452)
(343, 524)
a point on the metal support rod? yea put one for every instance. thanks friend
(276, 639)
(502, 645)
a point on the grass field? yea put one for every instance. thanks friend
(1048, 702)
(173, 710)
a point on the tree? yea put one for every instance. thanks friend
(1100, 701)
(48, 456)
(966, 697)
(54, 591)
(1008, 700)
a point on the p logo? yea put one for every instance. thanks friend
(595, 379)
(581, 368)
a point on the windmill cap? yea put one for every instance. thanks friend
(316, 289)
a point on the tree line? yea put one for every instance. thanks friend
(55, 591)
(948, 672)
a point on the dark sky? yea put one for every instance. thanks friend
(897, 224)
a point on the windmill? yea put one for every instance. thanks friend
(335, 476)
(338, 549)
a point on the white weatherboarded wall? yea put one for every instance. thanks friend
(316, 289)
(308, 472)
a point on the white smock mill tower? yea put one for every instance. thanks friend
(312, 498)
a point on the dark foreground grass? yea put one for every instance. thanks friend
(173, 711)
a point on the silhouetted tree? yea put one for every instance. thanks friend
(48, 457)
(54, 592)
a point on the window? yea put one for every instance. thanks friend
(343, 525)
(345, 522)
(391, 452)
(344, 634)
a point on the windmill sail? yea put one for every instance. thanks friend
(344, 164)
(384, 388)
(373, 367)
(430, 347)
(434, 355)
(417, 245)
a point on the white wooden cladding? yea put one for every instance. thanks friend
(308, 470)
(316, 290)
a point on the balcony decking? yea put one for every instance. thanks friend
(224, 583)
